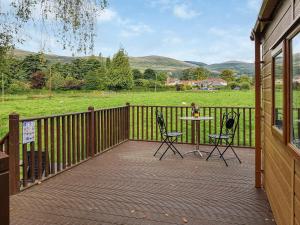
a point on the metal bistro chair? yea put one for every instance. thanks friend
(229, 122)
(168, 138)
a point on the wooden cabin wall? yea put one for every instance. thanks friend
(281, 168)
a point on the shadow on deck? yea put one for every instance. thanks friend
(129, 186)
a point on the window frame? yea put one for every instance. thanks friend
(279, 133)
(289, 62)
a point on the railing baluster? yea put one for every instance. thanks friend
(63, 127)
(69, 139)
(151, 123)
(147, 123)
(32, 166)
(52, 145)
(39, 150)
(25, 165)
(58, 143)
(244, 126)
(73, 140)
(78, 137)
(46, 145)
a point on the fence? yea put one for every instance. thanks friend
(4, 144)
(144, 127)
(65, 140)
(62, 141)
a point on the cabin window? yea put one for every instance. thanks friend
(295, 90)
(278, 90)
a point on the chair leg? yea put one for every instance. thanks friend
(235, 154)
(177, 150)
(164, 141)
(211, 152)
(164, 153)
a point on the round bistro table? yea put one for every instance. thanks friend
(197, 121)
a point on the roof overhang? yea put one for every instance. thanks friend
(265, 16)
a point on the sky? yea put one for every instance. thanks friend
(198, 30)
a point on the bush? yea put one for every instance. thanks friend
(72, 84)
(18, 86)
(183, 87)
(57, 82)
(92, 81)
(232, 85)
(38, 80)
(141, 83)
(137, 74)
(245, 86)
(180, 87)
(153, 84)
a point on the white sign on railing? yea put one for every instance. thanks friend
(28, 132)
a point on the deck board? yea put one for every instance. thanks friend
(127, 185)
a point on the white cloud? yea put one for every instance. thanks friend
(138, 29)
(107, 15)
(182, 11)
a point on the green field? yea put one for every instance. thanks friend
(34, 104)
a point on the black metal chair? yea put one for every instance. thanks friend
(168, 138)
(228, 129)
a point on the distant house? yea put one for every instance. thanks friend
(212, 82)
(172, 81)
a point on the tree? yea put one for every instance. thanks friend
(149, 74)
(245, 86)
(57, 81)
(162, 77)
(95, 79)
(33, 63)
(120, 74)
(73, 22)
(244, 78)
(137, 74)
(227, 75)
(187, 74)
(38, 80)
(200, 73)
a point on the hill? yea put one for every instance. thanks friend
(197, 63)
(239, 67)
(161, 63)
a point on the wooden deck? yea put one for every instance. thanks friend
(127, 185)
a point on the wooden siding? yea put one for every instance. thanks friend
(281, 167)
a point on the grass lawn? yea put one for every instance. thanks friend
(34, 104)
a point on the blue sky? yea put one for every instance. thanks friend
(200, 30)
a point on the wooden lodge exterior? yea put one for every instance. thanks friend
(277, 45)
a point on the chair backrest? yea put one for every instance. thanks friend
(161, 123)
(229, 123)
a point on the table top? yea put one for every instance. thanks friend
(196, 118)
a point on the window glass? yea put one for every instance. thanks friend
(295, 90)
(278, 90)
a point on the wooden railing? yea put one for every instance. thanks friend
(63, 141)
(143, 124)
(4, 142)
(4, 189)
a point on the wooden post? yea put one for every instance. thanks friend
(4, 189)
(257, 113)
(128, 121)
(14, 140)
(92, 131)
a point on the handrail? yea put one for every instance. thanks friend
(143, 125)
(2, 141)
(66, 140)
(4, 145)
